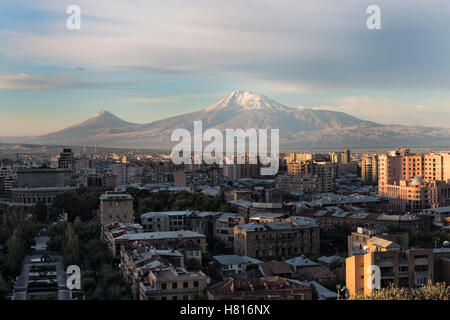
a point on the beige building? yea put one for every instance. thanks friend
(296, 183)
(278, 239)
(173, 284)
(116, 206)
(318, 174)
(408, 268)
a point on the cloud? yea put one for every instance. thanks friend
(172, 99)
(58, 81)
(430, 112)
(304, 44)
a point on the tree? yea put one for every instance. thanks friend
(88, 285)
(193, 264)
(16, 252)
(77, 204)
(71, 250)
(96, 253)
(438, 291)
(4, 289)
(40, 211)
(220, 247)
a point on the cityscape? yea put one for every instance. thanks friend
(224, 156)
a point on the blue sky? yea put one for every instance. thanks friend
(147, 60)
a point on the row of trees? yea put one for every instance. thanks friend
(438, 291)
(17, 232)
(146, 201)
(80, 244)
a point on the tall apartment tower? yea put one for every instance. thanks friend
(346, 156)
(369, 168)
(67, 160)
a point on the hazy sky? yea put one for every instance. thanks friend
(145, 60)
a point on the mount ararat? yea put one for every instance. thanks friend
(300, 128)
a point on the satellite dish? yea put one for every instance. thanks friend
(446, 243)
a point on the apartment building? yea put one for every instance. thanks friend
(408, 268)
(369, 168)
(357, 241)
(415, 181)
(263, 288)
(233, 265)
(278, 239)
(323, 172)
(224, 229)
(297, 183)
(191, 243)
(329, 217)
(165, 221)
(173, 284)
(116, 206)
(137, 261)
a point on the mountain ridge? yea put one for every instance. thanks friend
(299, 127)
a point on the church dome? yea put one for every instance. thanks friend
(417, 180)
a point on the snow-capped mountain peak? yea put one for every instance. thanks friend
(247, 101)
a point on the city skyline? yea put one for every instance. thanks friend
(149, 61)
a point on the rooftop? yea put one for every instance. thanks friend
(233, 259)
(161, 235)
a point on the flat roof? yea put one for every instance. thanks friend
(161, 235)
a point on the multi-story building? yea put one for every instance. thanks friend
(408, 268)
(416, 181)
(116, 206)
(136, 261)
(125, 173)
(323, 170)
(9, 177)
(375, 221)
(264, 288)
(233, 265)
(369, 168)
(318, 174)
(357, 241)
(41, 185)
(297, 183)
(225, 224)
(96, 182)
(173, 284)
(166, 221)
(278, 239)
(66, 160)
(346, 156)
(191, 244)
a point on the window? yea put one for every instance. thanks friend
(163, 286)
(185, 285)
(174, 285)
(195, 284)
